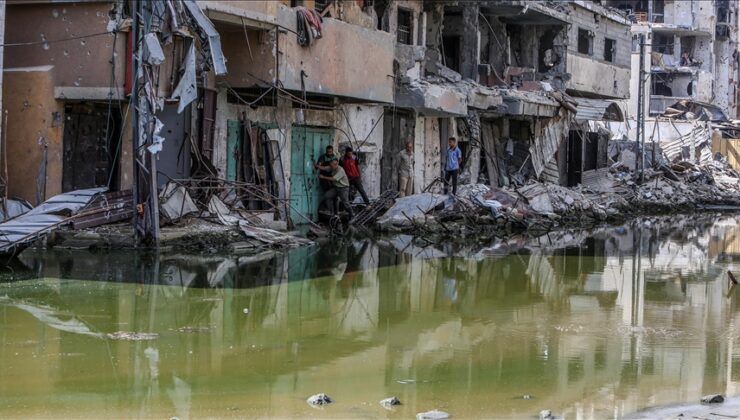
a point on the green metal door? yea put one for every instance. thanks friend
(233, 148)
(307, 144)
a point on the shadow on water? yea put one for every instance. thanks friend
(603, 322)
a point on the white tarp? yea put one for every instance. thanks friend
(187, 89)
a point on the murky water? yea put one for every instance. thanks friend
(595, 324)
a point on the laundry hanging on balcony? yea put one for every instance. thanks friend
(308, 26)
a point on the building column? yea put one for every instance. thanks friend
(469, 56)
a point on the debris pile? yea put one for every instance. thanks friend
(604, 194)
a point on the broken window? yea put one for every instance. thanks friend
(405, 29)
(548, 58)
(663, 43)
(585, 41)
(451, 49)
(610, 49)
(661, 85)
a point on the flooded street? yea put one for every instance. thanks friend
(588, 325)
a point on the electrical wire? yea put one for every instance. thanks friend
(54, 41)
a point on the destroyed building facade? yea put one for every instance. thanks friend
(691, 50)
(242, 97)
(507, 78)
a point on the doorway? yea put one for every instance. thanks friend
(307, 144)
(91, 141)
(398, 128)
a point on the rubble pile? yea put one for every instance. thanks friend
(605, 194)
(686, 186)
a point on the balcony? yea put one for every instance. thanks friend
(347, 61)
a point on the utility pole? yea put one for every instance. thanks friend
(146, 200)
(641, 113)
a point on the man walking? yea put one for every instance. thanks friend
(349, 164)
(340, 188)
(406, 170)
(454, 160)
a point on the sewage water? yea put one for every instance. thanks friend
(591, 324)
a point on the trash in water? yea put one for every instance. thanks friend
(132, 336)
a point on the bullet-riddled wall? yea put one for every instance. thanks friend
(34, 134)
(57, 53)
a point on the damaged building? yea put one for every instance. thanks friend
(370, 74)
(223, 107)
(499, 77)
(691, 49)
(301, 76)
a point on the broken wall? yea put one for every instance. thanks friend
(592, 73)
(361, 126)
(348, 60)
(34, 134)
(81, 66)
(695, 14)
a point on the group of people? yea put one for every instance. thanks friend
(337, 176)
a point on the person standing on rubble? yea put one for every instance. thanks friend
(340, 188)
(406, 170)
(323, 165)
(454, 160)
(349, 164)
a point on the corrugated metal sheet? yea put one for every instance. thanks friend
(17, 233)
(598, 110)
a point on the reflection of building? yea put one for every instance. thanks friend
(605, 328)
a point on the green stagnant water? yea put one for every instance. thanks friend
(586, 324)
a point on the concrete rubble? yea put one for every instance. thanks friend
(612, 194)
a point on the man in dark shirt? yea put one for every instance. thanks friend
(323, 165)
(349, 163)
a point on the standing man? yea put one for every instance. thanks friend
(454, 160)
(406, 170)
(340, 188)
(323, 165)
(349, 164)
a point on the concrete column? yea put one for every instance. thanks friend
(470, 42)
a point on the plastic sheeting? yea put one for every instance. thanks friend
(410, 208)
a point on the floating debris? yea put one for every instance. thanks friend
(193, 329)
(433, 415)
(132, 336)
(712, 399)
(546, 415)
(390, 402)
(319, 400)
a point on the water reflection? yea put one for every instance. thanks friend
(593, 324)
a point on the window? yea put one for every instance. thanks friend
(585, 41)
(405, 28)
(610, 49)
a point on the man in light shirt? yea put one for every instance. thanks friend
(454, 160)
(339, 188)
(406, 170)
